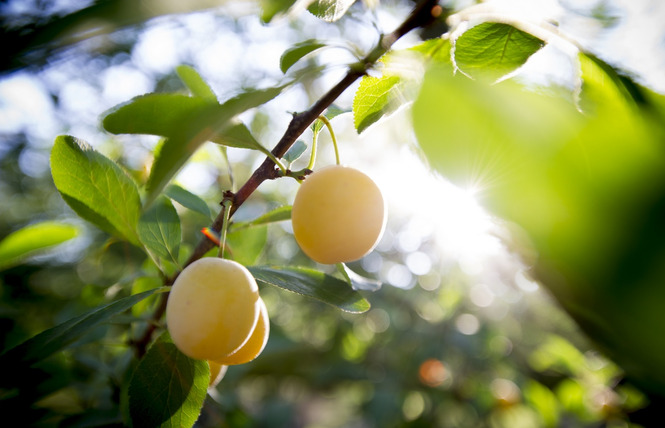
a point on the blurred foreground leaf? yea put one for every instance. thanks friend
(589, 190)
(33, 238)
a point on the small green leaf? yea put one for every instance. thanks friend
(97, 188)
(358, 282)
(494, 50)
(297, 52)
(159, 230)
(167, 388)
(188, 200)
(330, 10)
(31, 239)
(272, 8)
(239, 136)
(278, 214)
(296, 150)
(375, 97)
(247, 244)
(195, 83)
(314, 284)
(60, 337)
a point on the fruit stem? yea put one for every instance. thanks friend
(312, 156)
(326, 122)
(226, 208)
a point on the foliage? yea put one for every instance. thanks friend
(579, 172)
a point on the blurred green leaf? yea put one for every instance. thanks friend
(297, 52)
(32, 239)
(140, 285)
(196, 84)
(188, 199)
(61, 336)
(272, 8)
(494, 50)
(96, 188)
(159, 230)
(544, 401)
(167, 388)
(330, 10)
(314, 284)
(247, 244)
(589, 190)
(278, 214)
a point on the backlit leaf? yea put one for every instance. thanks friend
(330, 10)
(94, 186)
(375, 97)
(492, 49)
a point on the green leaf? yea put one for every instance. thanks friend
(167, 388)
(314, 284)
(32, 239)
(278, 214)
(96, 188)
(295, 151)
(494, 50)
(188, 199)
(159, 230)
(195, 83)
(297, 52)
(247, 244)
(357, 282)
(272, 8)
(330, 10)
(239, 136)
(60, 337)
(436, 50)
(587, 189)
(167, 115)
(375, 97)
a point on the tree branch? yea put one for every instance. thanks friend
(423, 14)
